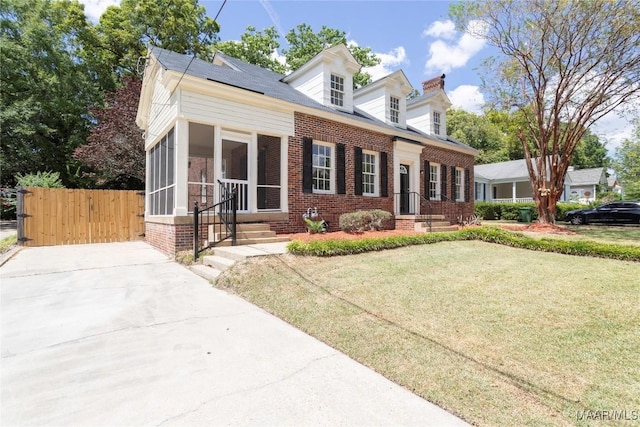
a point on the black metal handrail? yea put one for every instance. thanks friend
(408, 204)
(223, 220)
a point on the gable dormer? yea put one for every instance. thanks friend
(386, 99)
(427, 113)
(328, 78)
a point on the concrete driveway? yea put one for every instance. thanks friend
(117, 334)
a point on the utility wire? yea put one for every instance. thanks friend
(194, 55)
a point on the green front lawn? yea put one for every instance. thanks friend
(496, 335)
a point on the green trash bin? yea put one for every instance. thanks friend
(525, 214)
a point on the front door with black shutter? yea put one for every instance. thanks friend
(404, 190)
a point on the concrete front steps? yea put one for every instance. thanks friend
(251, 234)
(225, 257)
(438, 224)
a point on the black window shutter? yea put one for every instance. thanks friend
(443, 184)
(340, 169)
(467, 185)
(384, 175)
(357, 171)
(307, 165)
(453, 183)
(427, 178)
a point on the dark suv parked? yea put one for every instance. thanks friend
(615, 212)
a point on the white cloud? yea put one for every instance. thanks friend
(95, 8)
(614, 128)
(452, 52)
(441, 29)
(468, 98)
(389, 62)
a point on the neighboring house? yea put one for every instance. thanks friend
(613, 185)
(585, 184)
(506, 182)
(290, 143)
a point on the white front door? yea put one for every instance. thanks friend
(234, 170)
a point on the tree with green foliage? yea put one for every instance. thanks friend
(304, 44)
(56, 65)
(590, 152)
(46, 87)
(477, 131)
(564, 65)
(627, 165)
(255, 47)
(126, 31)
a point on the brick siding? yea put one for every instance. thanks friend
(172, 238)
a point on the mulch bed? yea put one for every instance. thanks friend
(341, 235)
(538, 228)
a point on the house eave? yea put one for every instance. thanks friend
(224, 90)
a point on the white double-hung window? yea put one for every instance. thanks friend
(436, 122)
(369, 173)
(394, 109)
(459, 185)
(323, 167)
(337, 90)
(434, 181)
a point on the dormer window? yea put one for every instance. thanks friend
(436, 122)
(337, 90)
(394, 109)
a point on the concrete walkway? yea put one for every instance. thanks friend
(116, 334)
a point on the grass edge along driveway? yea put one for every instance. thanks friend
(496, 335)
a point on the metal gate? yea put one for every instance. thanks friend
(62, 216)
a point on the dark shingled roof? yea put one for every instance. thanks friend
(262, 81)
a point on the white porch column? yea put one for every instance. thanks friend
(513, 191)
(181, 167)
(217, 161)
(252, 172)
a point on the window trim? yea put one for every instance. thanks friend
(375, 175)
(332, 168)
(337, 90)
(458, 185)
(436, 119)
(436, 195)
(394, 109)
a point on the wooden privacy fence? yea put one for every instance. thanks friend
(62, 216)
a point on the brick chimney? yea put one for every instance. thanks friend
(433, 84)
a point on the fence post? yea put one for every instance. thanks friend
(20, 215)
(196, 230)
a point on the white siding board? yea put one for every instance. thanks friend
(163, 111)
(311, 84)
(234, 114)
(420, 118)
(373, 103)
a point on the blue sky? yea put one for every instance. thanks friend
(415, 36)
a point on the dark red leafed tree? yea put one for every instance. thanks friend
(114, 151)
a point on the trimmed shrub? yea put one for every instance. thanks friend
(485, 234)
(511, 211)
(360, 221)
(487, 210)
(563, 208)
